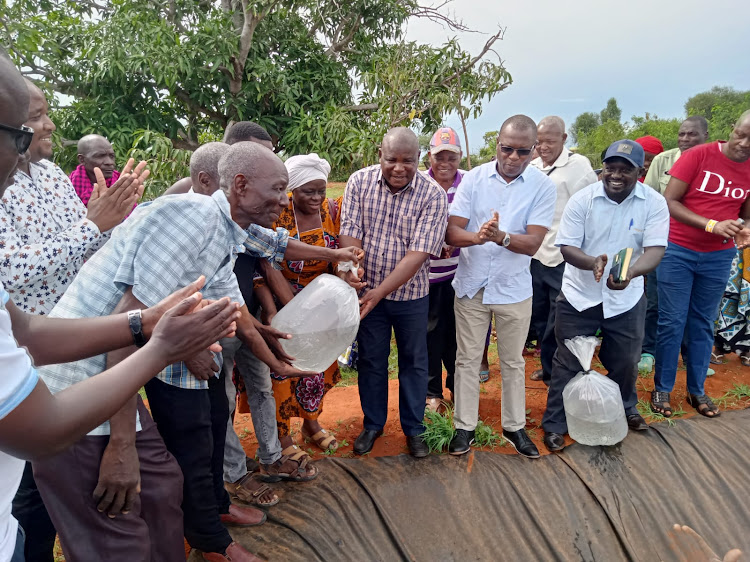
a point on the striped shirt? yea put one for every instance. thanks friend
(443, 269)
(391, 224)
(163, 246)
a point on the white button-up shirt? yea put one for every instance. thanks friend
(597, 225)
(571, 173)
(527, 200)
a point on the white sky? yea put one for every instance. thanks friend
(569, 57)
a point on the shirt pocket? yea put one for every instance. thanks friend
(405, 228)
(636, 234)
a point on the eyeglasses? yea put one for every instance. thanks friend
(508, 150)
(22, 137)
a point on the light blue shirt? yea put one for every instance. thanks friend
(527, 200)
(597, 225)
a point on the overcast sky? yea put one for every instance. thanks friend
(570, 57)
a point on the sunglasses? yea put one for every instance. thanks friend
(22, 137)
(508, 150)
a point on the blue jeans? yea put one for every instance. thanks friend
(408, 320)
(690, 287)
(18, 552)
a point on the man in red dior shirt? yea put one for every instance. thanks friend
(707, 194)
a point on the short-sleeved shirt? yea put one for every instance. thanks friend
(597, 225)
(527, 200)
(45, 237)
(17, 379)
(571, 173)
(443, 269)
(391, 224)
(658, 172)
(163, 246)
(717, 189)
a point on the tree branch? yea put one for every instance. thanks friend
(183, 96)
(433, 14)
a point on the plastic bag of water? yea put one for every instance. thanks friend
(593, 403)
(323, 319)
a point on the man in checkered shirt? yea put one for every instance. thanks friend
(399, 218)
(162, 243)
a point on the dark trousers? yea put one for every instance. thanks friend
(620, 352)
(441, 338)
(652, 314)
(150, 532)
(546, 282)
(408, 320)
(193, 424)
(29, 511)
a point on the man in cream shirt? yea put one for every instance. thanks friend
(570, 173)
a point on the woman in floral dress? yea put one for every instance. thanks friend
(313, 219)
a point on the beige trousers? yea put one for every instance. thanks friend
(512, 325)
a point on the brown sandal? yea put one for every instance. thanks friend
(251, 491)
(698, 402)
(292, 466)
(324, 440)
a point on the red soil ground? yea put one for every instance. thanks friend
(342, 414)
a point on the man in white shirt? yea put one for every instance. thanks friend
(499, 216)
(600, 220)
(571, 172)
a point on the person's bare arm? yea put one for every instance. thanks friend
(299, 251)
(404, 270)
(276, 284)
(651, 257)
(578, 258)
(63, 340)
(674, 193)
(44, 424)
(179, 187)
(527, 243)
(457, 235)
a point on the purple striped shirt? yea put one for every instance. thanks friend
(392, 224)
(444, 269)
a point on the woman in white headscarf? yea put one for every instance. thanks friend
(313, 219)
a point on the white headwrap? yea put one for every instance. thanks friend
(305, 168)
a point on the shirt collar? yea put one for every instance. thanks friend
(239, 235)
(456, 180)
(561, 161)
(523, 177)
(639, 191)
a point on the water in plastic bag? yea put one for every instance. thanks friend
(323, 319)
(593, 403)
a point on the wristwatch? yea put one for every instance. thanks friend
(506, 241)
(135, 320)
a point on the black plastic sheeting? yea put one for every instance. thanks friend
(587, 503)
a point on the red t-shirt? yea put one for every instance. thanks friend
(717, 189)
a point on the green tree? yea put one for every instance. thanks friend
(326, 76)
(592, 144)
(665, 130)
(489, 149)
(584, 124)
(612, 112)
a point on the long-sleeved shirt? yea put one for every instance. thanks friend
(45, 237)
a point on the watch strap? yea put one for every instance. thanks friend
(135, 321)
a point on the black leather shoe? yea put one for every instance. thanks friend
(554, 441)
(637, 423)
(521, 443)
(417, 447)
(461, 442)
(363, 444)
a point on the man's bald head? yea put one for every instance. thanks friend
(14, 110)
(401, 137)
(551, 139)
(520, 124)
(745, 117)
(254, 180)
(204, 167)
(95, 151)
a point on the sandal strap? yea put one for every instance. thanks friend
(702, 399)
(295, 454)
(659, 397)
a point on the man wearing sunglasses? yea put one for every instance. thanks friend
(499, 217)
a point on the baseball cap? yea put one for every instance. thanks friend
(627, 149)
(445, 138)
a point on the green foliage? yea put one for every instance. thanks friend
(166, 163)
(439, 431)
(665, 130)
(610, 113)
(592, 144)
(488, 150)
(644, 408)
(185, 69)
(584, 124)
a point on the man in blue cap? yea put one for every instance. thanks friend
(599, 221)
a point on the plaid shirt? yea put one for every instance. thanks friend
(162, 247)
(389, 225)
(82, 184)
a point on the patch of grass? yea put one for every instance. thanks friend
(439, 431)
(644, 408)
(344, 443)
(349, 376)
(335, 189)
(529, 420)
(739, 393)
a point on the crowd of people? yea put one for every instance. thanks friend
(177, 295)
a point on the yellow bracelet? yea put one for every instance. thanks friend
(710, 225)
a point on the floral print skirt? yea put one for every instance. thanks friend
(301, 397)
